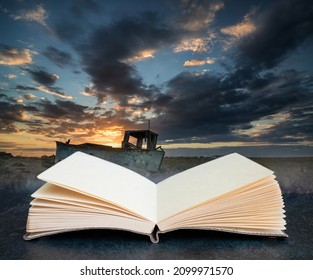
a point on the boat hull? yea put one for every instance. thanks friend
(137, 160)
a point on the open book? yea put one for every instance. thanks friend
(231, 193)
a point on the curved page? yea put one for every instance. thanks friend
(206, 181)
(105, 180)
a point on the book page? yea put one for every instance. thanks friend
(53, 193)
(258, 207)
(50, 221)
(206, 181)
(104, 180)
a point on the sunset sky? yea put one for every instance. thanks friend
(210, 75)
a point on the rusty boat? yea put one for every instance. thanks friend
(138, 151)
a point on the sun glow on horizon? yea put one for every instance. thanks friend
(27, 144)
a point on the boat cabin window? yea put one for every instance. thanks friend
(140, 139)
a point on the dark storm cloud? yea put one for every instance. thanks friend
(199, 107)
(296, 128)
(60, 58)
(47, 81)
(71, 30)
(42, 77)
(11, 113)
(107, 51)
(104, 56)
(61, 119)
(210, 106)
(280, 30)
(21, 87)
(60, 110)
(54, 119)
(7, 127)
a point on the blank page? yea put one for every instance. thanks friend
(105, 180)
(206, 181)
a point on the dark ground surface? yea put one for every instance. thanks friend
(18, 181)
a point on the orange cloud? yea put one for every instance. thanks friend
(198, 15)
(240, 30)
(198, 45)
(142, 55)
(54, 92)
(38, 14)
(199, 62)
(13, 56)
(28, 96)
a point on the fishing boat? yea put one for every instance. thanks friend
(138, 151)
